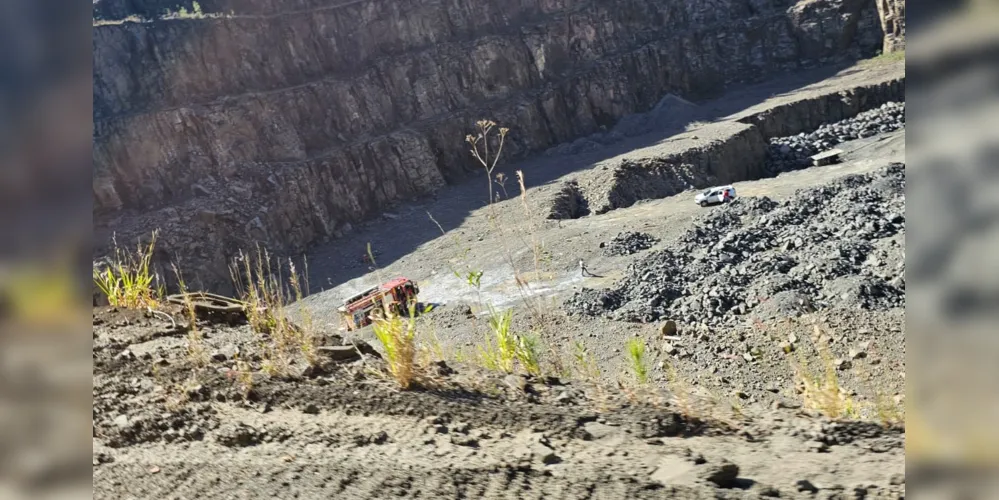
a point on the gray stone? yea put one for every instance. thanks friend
(806, 485)
(122, 422)
(339, 353)
(723, 473)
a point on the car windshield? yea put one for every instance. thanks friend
(706, 193)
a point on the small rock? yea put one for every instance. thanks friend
(818, 446)
(463, 440)
(668, 329)
(778, 405)
(365, 348)
(311, 409)
(672, 469)
(379, 437)
(806, 485)
(722, 473)
(549, 458)
(122, 422)
(515, 382)
(339, 353)
(764, 490)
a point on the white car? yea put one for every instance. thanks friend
(718, 194)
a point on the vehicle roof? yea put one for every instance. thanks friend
(394, 283)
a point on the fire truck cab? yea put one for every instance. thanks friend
(393, 296)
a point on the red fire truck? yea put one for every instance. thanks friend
(393, 296)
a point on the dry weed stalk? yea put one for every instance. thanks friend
(505, 346)
(266, 296)
(890, 411)
(481, 140)
(820, 387)
(682, 397)
(586, 370)
(196, 352)
(433, 350)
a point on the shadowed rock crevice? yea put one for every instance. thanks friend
(569, 203)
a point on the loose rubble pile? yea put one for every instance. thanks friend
(838, 245)
(793, 152)
(628, 243)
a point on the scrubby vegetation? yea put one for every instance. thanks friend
(128, 280)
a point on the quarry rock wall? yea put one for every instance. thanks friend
(285, 123)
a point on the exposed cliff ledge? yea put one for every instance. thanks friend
(892, 15)
(729, 151)
(285, 123)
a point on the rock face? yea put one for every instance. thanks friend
(285, 123)
(892, 15)
(794, 152)
(739, 150)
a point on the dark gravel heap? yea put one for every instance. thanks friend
(838, 245)
(793, 152)
(628, 243)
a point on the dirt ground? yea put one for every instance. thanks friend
(720, 426)
(166, 429)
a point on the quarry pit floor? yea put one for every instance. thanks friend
(351, 434)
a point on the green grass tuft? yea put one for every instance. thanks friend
(637, 360)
